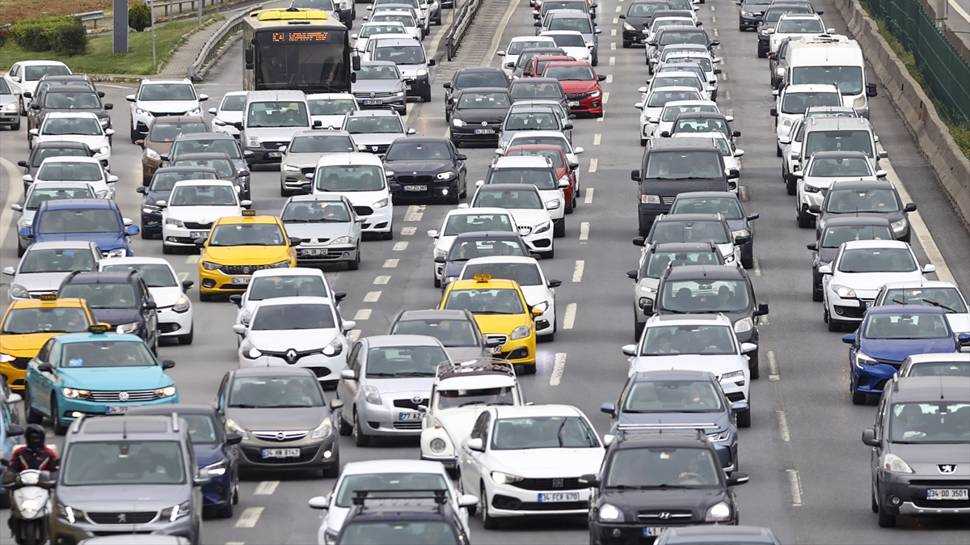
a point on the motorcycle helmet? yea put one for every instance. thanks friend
(35, 436)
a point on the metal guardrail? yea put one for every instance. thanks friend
(459, 25)
(206, 56)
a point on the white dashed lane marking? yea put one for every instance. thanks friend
(408, 231)
(381, 280)
(249, 517)
(578, 270)
(391, 263)
(558, 368)
(569, 317)
(266, 488)
(796, 487)
(584, 231)
(589, 195)
(593, 163)
(783, 426)
(192, 259)
(362, 314)
(400, 246)
(773, 375)
(372, 296)
(597, 138)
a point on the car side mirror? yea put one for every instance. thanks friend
(773, 112)
(319, 502)
(17, 207)
(590, 480)
(26, 231)
(635, 175)
(212, 111)
(132, 230)
(813, 246)
(339, 296)
(236, 299)
(733, 174)
(410, 131)
(869, 437)
(664, 134)
(187, 285)
(475, 444)
(9, 271)
(45, 368)
(929, 268)
(747, 348)
(910, 207)
(825, 269)
(638, 105)
(762, 310)
(233, 438)
(348, 374)
(432, 233)
(554, 283)
(461, 157)
(608, 408)
(881, 173)
(536, 312)
(629, 350)
(601, 77)
(33, 132)
(632, 274)
(22, 164)
(814, 208)
(168, 364)
(467, 500)
(239, 329)
(335, 404)
(963, 339)
(737, 478)
(871, 90)
(348, 325)
(109, 106)
(639, 241)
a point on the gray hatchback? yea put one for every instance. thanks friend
(328, 227)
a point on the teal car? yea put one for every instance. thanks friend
(94, 373)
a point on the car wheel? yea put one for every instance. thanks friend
(355, 264)
(488, 521)
(777, 150)
(744, 418)
(859, 398)
(874, 505)
(33, 415)
(59, 427)
(833, 324)
(637, 328)
(753, 365)
(790, 183)
(331, 471)
(437, 282)
(886, 519)
(166, 249)
(360, 439)
(627, 45)
(342, 426)
(388, 235)
(805, 220)
(550, 254)
(187, 338)
(226, 511)
(559, 228)
(816, 286)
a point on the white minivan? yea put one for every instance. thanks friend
(832, 59)
(359, 177)
(270, 120)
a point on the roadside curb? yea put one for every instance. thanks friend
(915, 107)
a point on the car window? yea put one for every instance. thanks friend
(948, 299)
(165, 180)
(403, 150)
(401, 532)
(400, 54)
(373, 124)
(79, 220)
(834, 236)
(129, 463)
(203, 195)
(43, 152)
(463, 250)
(287, 317)
(542, 178)
(387, 484)
(155, 275)
(524, 274)
(508, 198)
(83, 126)
(105, 354)
(663, 467)
(270, 287)
(672, 340)
(485, 301)
(543, 432)
(34, 73)
(485, 101)
(466, 223)
(103, 295)
(331, 106)
(666, 396)
(657, 262)
(729, 207)
(404, 361)
(349, 178)
(689, 231)
(168, 132)
(246, 234)
(856, 201)
(166, 91)
(689, 296)
(275, 392)
(867, 260)
(906, 326)
(839, 166)
(315, 212)
(39, 195)
(321, 144)
(797, 103)
(277, 114)
(930, 422)
(49, 320)
(661, 97)
(940, 369)
(233, 103)
(450, 333)
(198, 145)
(72, 100)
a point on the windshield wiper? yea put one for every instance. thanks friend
(937, 304)
(559, 433)
(626, 487)
(243, 406)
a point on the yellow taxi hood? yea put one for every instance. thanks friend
(246, 255)
(23, 346)
(501, 324)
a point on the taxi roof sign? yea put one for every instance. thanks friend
(482, 278)
(248, 213)
(99, 328)
(48, 297)
(291, 14)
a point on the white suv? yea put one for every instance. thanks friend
(359, 177)
(162, 97)
(82, 127)
(191, 209)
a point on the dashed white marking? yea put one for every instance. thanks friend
(578, 270)
(612, 46)
(606, 98)
(266, 488)
(723, 74)
(796, 488)
(362, 314)
(774, 375)
(353, 334)
(558, 369)
(593, 164)
(391, 263)
(714, 19)
(192, 259)
(783, 426)
(616, 20)
(756, 266)
(382, 279)
(933, 252)
(372, 296)
(727, 95)
(408, 231)
(609, 78)
(613, 32)
(414, 213)
(764, 320)
(401, 246)
(235, 543)
(618, 9)
(584, 231)
(597, 138)
(589, 195)
(715, 31)
(569, 317)
(249, 517)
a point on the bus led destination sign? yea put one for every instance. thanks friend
(300, 36)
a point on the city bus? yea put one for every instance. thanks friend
(298, 49)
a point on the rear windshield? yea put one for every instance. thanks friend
(128, 463)
(682, 165)
(835, 236)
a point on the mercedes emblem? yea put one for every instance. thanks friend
(123, 396)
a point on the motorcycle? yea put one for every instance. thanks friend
(30, 502)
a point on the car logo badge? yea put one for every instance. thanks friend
(947, 469)
(122, 518)
(484, 123)
(417, 400)
(123, 396)
(664, 515)
(291, 355)
(373, 148)
(280, 436)
(247, 270)
(414, 173)
(557, 483)
(373, 95)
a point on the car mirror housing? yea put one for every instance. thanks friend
(869, 437)
(475, 444)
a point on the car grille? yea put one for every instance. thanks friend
(382, 94)
(280, 436)
(673, 516)
(308, 170)
(410, 403)
(122, 517)
(550, 484)
(735, 396)
(274, 145)
(577, 96)
(166, 114)
(407, 425)
(376, 148)
(132, 395)
(363, 210)
(849, 312)
(514, 504)
(197, 225)
(419, 179)
(242, 269)
(290, 357)
(20, 363)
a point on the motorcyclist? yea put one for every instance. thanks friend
(33, 455)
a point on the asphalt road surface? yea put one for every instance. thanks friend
(809, 470)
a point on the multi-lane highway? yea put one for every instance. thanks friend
(809, 471)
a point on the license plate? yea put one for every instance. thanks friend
(956, 494)
(114, 409)
(370, 101)
(554, 497)
(415, 188)
(573, 103)
(198, 234)
(313, 251)
(409, 416)
(274, 154)
(484, 131)
(280, 453)
(240, 279)
(653, 532)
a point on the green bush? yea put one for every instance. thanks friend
(64, 35)
(34, 34)
(70, 37)
(139, 16)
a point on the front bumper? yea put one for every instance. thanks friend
(617, 533)
(398, 103)
(10, 118)
(476, 133)
(313, 454)
(588, 105)
(634, 36)
(911, 491)
(749, 21)
(218, 491)
(540, 243)
(96, 408)
(181, 236)
(64, 533)
(384, 420)
(511, 501)
(15, 372)
(171, 323)
(870, 379)
(380, 220)
(263, 156)
(318, 255)
(326, 368)
(423, 186)
(845, 310)
(218, 283)
(519, 351)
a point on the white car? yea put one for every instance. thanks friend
(526, 206)
(945, 295)
(673, 76)
(359, 177)
(81, 127)
(517, 45)
(793, 100)
(466, 220)
(697, 342)
(860, 268)
(39, 192)
(929, 365)
(329, 108)
(76, 169)
(273, 283)
(824, 169)
(303, 331)
(408, 21)
(514, 454)
(547, 137)
(572, 42)
(46, 264)
(191, 209)
(539, 291)
(654, 103)
(174, 307)
(537, 171)
(25, 75)
(795, 25)
(376, 28)
(162, 97)
(381, 475)
(229, 112)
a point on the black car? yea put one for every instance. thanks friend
(53, 148)
(466, 78)
(479, 244)
(718, 535)
(224, 167)
(120, 299)
(843, 229)
(402, 516)
(652, 480)
(638, 17)
(728, 205)
(68, 98)
(770, 19)
(477, 114)
(426, 167)
(160, 188)
(211, 142)
(750, 13)
(709, 289)
(878, 197)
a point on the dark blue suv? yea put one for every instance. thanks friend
(95, 220)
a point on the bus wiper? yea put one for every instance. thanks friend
(937, 304)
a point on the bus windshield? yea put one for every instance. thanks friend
(305, 59)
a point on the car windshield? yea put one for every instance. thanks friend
(689, 231)
(657, 262)
(646, 9)
(63, 171)
(400, 532)
(277, 114)
(869, 260)
(689, 296)
(56, 260)
(541, 432)
(542, 178)
(405, 19)
(906, 326)
(72, 100)
(290, 285)
(113, 353)
(579, 24)
(43, 152)
(203, 195)
(367, 31)
(484, 101)
(450, 333)
(378, 71)
(940, 369)
(530, 89)
(799, 26)
(168, 132)
(155, 275)
(290, 317)
(930, 422)
(40, 195)
(4, 88)
(387, 484)
(399, 54)
(516, 48)
(82, 126)
(315, 212)
(523, 139)
(570, 73)
(123, 463)
(797, 103)
(678, 81)
(100, 296)
(673, 340)
(34, 73)
(682, 37)
(774, 15)
(851, 201)
(166, 180)
(524, 274)
(509, 198)
(839, 167)
(449, 398)
(836, 235)
(729, 207)
(246, 234)
(949, 299)
(233, 103)
(568, 40)
(166, 91)
(21, 321)
(669, 396)
(670, 113)
(838, 141)
(368, 124)
(223, 167)
(485, 301)
(651, 468)
(323, 143)
(215, 145)
(480, 78)
(704, 63)
(847, 78)
(404, 361)
(275, 392)
(661, 97)
(463, 250)
(349, 178)
(405, 150)
(532, 121)
(79, 220)
(701, 124)
(331, 106)
(467, 223)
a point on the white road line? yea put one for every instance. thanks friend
(783, 426)
(922, 232)
(382, 279)
(597, 138)
(558, 369)
(249, 517)
(194, 258)
(957, 8)
(796, 488)
(235, 543)
(616, 20)
(593, 163)
(714, 19)
(13, 174)
(414, 214)
(727, 95)
(589, 195)
(715, 31)
(578, 270)
(713, 9)
(400, 246)
(618, 9)
(606, 98)
(764, 320)
(362, 314)
(266, 488)
(774, 375)
(609, 78)
(584, 231)
(391, 263)
(756, 266)
(613, 32)
(569, 317)
(493, 47)
(372, 296)
(353, 334)
(723, 74)
(612, 46)
(408, 231)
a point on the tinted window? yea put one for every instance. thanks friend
(166, 91)
(799, 26)
(106, 463)
(537, 121)
(103, 295)
(233, 103)
(404, 361)
(670, 113)
(448, 399)
(203, 195)
(497, 101)
(168, 132)
(155, 275)
(797, 103)
(84, 126)
(105, 354)
(308, 316)
(43, 194)
(463, 250)
(43, 152)
(866, 260)
(79, 220)
(403, 532)
(485, 301)
(373, 124)
(665, 396)
(567, 40)
(222, 166)
(449, 332)
(315, 212)
(251, 234)
(541, 178)
(835, 236)
(571, 23)
(706, 296)
(508, 198)
(321, 144)
(387, 484)
(656, 263)
(467, 223)
(660, 97)
(202, 428)
(215, 145)
(516, 48)
(490, 78)
(372, 71)
(399, 54)
(729, 207)
(689, 231)
(525, 274)
(295, 285)
(403, 150)
(561, 73)
(277, 114)
(34, 73)
(672, 340)
(663, 468)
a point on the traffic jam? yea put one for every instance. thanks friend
(261, 214)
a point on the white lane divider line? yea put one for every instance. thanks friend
(401, 246)
(584, 231)
(756, 266)
(382, 279)
(773, 374)
(593, 164)
(956, 7)
(558, 369)
(249, 517)
(612, 46)
(372, 296)
(414, 213)
(606, 98)
(589, 195)
(616, 20)
(715, 31)
(613, 32)
(932, 251)
(578, 270)
(408, 231)
(796, 487)
(597, 138)
(13, 173)
(231, 542)
(391, 263)
(618, 9)
(764, 320)
(612, 61)
(714, 19)
(192, 259)
(609, 78)
(362, 314)
(783, 426)
(266, 488)
(353, 335)
(569, 317)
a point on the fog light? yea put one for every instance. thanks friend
(208, 283)
(327, 454)
(896, 500)
(444, 191)
(616, 532)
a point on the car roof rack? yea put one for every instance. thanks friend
(438, 496)
(481, 366)
(658, 430)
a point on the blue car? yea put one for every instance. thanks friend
(887, 336)
(94, 373)
(95, 220)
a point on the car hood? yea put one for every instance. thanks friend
(411, 70)
(376, 138)
(316, 231)
(697, 500)
(239, 255)
(304, 160)
(283, 419)
(898, 349)
(426, 166)
(527, 217)
(114, 378)
(477, 115)
(122, 498)
(578, 86)
(201, 214)
(377, 86)
(50, 281)
(689, 362)
(168, 106)
(166, 297)
(116, 316)
(297, 339)
(535, 294)
(464, 353)
(501, 324)
(869, 283)
(273, 134)
(959, 323)
(21, 346)
(418, 386)
(534, 463)
(925, 459)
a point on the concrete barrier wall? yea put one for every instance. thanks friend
(917, 110)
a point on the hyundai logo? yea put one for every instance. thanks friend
(123, 396)
(664, 515)
(947, 469)
(122, 518)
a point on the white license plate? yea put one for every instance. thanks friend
(956, 494)
(554, 497)
(240, 279)
(370, 101)
(573, 103)
(114, 409)
(280, 453)
(409, 416)
(415, 188)
(653, 532)
(313, 251)
(274, 154)
(198, 234)
(484, 131)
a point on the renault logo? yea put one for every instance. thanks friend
(122, 518)
(291, 356)
(663, 516)
(947, 469)
(123, 396)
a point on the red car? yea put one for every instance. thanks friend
(560, 164)
(581, 84)
(538, 63)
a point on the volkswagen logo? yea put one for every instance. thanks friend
(663, 515)
(280, 436)
(122, 518)
(291, 356)
(947, 469)
(123, 396)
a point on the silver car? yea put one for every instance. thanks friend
(328, 226)
(387, 385)
(46, 264)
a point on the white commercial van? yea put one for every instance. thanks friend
(832, 59)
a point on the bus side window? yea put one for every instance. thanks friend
(249, 55)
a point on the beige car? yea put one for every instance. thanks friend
(158, 141)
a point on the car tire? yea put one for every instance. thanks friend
(355, 264)
(627, 44)
(859, 398)
(790, 183)
(225, 511)
(331, 471)
(559, 228)
(59, 427)
(21, 250)
(437, 282)
(206, 297)
(426, 97)
(637, 328)
(187, 338)
(549, 337)
(15, 126)
(816, 287)
(804, 219)
(550, 254)
(167, 250)
(488, 522)
(525, 369)
(753, 367)
(833, 324)
(343, 428)
(886, 519)
(360, 438)
(388, 235)
(33, 416)
(744, 418)
(874, 505)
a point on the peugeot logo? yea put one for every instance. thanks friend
(291, 355)
(373, 95)
(123, 396)
(280, 436)
(947, 469)
(663, 516)
(122, 518)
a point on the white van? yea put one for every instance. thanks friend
(832, 59)
(270, 120)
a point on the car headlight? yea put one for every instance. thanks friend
(741, 233)
(210, 265)
(372, 395)
(139, 111)
(457, 122)
(898, 226)
(252, 354)
(611, 513)
(438, 445)
(744, 325)
(128, 328)
(74, 393)
(68, 513)
(446, 175)
(501, 477)
(553, 204)
(176, 512)
(719, 512)
(291, 168)
(182, 305)
(718, 435)
(330, 537)
(334, 348)
(217, 469)
(340, 240)
(233, 426)
(542, 227)
(628, 26)
(382, 203)
(421, 72)
(808, 188)
(861, 359)
(844, 292)
(18, 292)
(543, 306)
(324, 430)
(895, 464)
(252, 141)
(733, 375)
(520, 332)
(649, 199)
(175, 222)
(152, 154)
(747, 14)
(400, 94)
(167, 391)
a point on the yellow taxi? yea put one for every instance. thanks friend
(237, 247)
(29, 323)
(500, 309)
